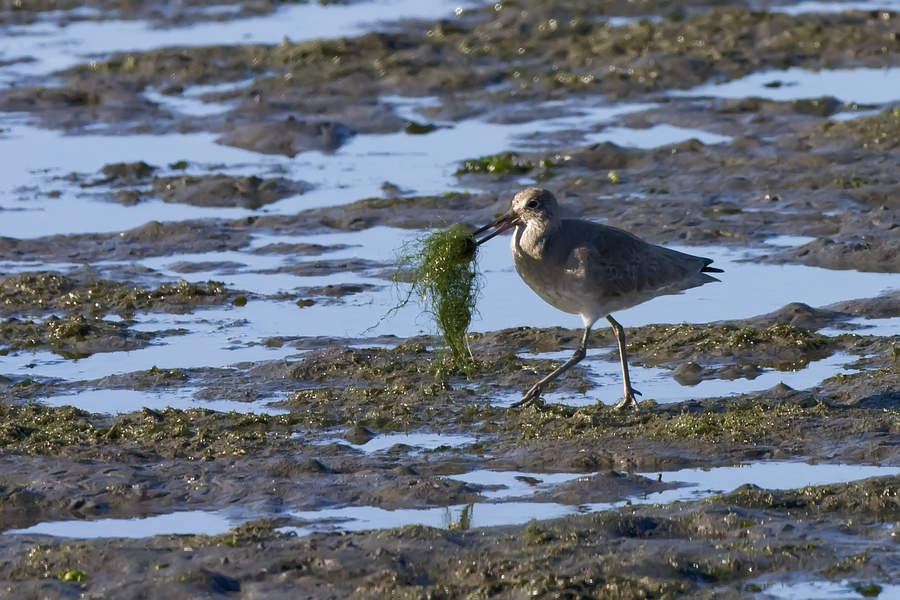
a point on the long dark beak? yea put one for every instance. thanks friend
(502, 224)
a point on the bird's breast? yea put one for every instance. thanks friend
(549, 280)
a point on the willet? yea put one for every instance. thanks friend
(590, 270)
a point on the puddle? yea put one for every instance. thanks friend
(113, 402)
(849, 115)
(825, 590)
(189, 101)
(773, 475)
(658, 135)
(426, 164)
(483, 514)
(514, 484)
(659, 384)
(862, 86)
(789, 241)
(197, 522)
(247, 276)
(421, 441)
(863, 326)
(378, 244)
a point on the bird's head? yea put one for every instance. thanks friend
(534, 206)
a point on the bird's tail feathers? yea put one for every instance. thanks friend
(708, 269)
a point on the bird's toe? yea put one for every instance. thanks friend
(628, 402)
(528, 399)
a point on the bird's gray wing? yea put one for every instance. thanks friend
(617, 263)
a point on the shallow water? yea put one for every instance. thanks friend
(113, 402)
(360, 518)
(862, 86)
(33, 156)
(825, 590)
(772, 475)
(698, 484)
(863, 326)
(515, 484)
(187, 522)
(655, 136)
(789, 241)
(223, 336)
(218, 337)
(424, 164)
(420, 441)
(189, 102)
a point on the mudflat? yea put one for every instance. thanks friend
(199, 216)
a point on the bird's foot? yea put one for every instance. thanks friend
(530, 397)
(629, 401)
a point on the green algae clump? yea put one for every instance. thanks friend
(497, 164)
(441, 269)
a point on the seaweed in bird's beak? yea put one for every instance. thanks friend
(441, 268)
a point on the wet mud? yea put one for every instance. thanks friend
(304, 455)
(630, 553)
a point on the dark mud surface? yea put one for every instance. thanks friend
(183, 326)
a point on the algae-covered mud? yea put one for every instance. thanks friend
(200, 213)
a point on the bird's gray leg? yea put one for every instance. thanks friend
(535, 392)
(628, 401)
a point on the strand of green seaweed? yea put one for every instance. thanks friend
(441, 268)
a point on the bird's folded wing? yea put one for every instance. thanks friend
(640, 270)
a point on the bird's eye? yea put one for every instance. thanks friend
(533, 204)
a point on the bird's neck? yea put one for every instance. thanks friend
(531, 238)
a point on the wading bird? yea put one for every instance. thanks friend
(591, 270)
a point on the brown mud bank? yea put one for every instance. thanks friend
(136, 182)
(724, 547)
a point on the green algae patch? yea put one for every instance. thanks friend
(74, 336)
(413, 128)
(778, 344)
(740, 424)
(72, 575)
(441, 268)
(497, 164)
(48, 291)
(195, 434)
(252, 533)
